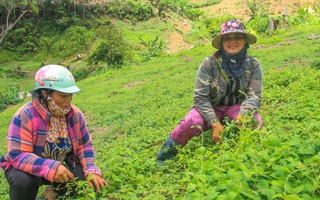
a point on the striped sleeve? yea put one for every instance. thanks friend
(84, 151)
(21, 139)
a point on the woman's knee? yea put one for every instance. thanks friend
(21, 179)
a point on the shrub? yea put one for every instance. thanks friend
(9, 96)
(74, 40)
(81, 74)
(111, 49)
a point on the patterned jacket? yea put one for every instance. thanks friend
(211, 86)
(27, 135)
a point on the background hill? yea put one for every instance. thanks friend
(131, 110)
(241, 9)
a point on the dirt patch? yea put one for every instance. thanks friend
(175, 40)
(129, 85)
(176, 43)
(98, 130)
(239, 8)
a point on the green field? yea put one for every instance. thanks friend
(131, 111)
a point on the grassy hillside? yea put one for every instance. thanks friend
(131, 111)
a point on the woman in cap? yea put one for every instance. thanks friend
(48, 140)
(228, 85)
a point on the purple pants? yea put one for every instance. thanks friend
(187, 128)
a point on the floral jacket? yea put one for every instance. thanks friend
(27, 135)
(211, 86)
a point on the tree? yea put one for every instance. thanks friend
(11, 18)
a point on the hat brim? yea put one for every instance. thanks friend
(216, 41)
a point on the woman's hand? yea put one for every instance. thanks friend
(239, 121)
(96, 181)
(217, 128)
(63, 175)
(239, 118)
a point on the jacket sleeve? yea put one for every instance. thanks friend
(21, 140)
(254, 92)
(85, 151)
(201, 94)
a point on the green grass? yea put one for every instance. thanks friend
(131, 111)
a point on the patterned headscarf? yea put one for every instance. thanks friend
(58, 126)
(234, 64)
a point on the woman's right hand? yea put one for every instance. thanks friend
(217, 128)
(63, 175)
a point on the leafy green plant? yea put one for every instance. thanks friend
(81, 74)
(259, 16)
(131, 111)
(9, 96)
(154, 48)
(315, 64)
(112, 50)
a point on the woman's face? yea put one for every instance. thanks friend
(63, 100)
(233, 42)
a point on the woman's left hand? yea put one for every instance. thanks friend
(239, 121)
(96, 181)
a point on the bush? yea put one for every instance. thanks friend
(81, 74)
(130, 10)
(23, 39)
(315, 64)
(111, 50)
(74, 40)
(9, 96)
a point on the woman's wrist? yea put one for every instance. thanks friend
(214, 125)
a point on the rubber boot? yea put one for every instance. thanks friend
(168, 150)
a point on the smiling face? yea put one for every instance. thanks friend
(233, 42)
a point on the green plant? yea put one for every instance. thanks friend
(315, 64)
(81, 73)
(130, 112)
(112, 49)
(154, 48)
(9, 96)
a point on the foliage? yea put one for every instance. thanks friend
(131, 111)
(74, 40)
(11, 12)
(112, 50)
(260, 16)
(9, 96)
(81, 74)
(316, 64)
(22, 39)
(132, 10)
(182, 7)
(154, 48)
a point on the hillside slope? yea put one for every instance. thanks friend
(131, 111)
(239, 8)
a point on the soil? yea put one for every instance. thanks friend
(237, 8)
(176, 42)
(240, 9)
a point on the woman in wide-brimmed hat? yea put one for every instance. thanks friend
(228, 86)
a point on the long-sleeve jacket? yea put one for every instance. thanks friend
(211, 86)
(27, 135)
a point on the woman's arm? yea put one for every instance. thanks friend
(84, 151)
(20, 147)
(254, 91)
(201, 95)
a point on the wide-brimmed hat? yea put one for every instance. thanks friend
(232, 26)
